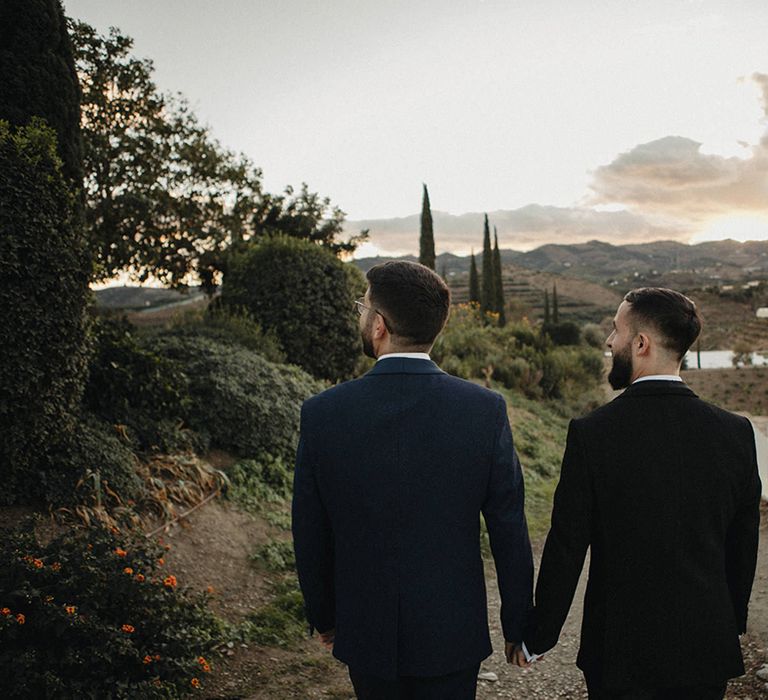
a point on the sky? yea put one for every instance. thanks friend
(615, 120)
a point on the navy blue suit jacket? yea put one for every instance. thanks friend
(392, 473)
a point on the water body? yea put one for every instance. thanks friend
(718, 359)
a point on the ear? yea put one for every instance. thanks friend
(379, 327)
(642, 344)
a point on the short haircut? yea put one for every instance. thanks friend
(413, 299)
(672, 314)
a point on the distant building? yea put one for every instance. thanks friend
(762, 312)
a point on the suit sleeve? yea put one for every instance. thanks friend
(565, 548)
(312, 538)
(504, 513)
(741, 544)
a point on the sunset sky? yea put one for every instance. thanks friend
(617, 120)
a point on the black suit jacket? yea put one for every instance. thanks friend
(664, 489)
(392, 472)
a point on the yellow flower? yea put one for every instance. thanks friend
(128, 629)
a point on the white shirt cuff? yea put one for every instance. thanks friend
(530, 658)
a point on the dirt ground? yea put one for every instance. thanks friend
(228, 538)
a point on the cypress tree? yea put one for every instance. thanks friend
(546, 307)
(444, 272)
(498, 283)
(474, 282)
(487, 296)
(555, 314)
(37, 75)
(427, 237)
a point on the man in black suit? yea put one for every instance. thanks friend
(664, 490)
(392, 473)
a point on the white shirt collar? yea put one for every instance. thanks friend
(659, 377)
(410, 355)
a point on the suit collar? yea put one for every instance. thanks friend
(657, 387)
(404, 365)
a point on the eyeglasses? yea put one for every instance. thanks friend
(361, 307)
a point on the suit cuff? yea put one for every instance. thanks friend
(530, 658)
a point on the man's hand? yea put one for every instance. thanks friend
(327, 639)
(515, 654)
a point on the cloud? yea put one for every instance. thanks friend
(671, 177)
(519, 229)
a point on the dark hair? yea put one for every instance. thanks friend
(672, 314)
(413, 299)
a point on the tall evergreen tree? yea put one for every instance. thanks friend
(37, 75)
(427, 237)
(474, 282)
(487, 294)
(555, 312)
(497, 281)
(546, 307)
(444, 272)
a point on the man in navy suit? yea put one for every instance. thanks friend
(392, 473)
(664, 490)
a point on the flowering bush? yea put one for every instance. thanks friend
(96, 615)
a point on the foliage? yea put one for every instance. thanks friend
(742, 353)
(563, 332)
(160, 190)
(93, 615)
(130, 385)
(44, 269)
(427, 235)
(240, 401)
(38, 75)
(487, 286)
(260, 481)
(593, 335)
(518, 355)
(303, 294)
(230, 326)
(277, 556)
(474, 283)
(281, 623)
(498, 282)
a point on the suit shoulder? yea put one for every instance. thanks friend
(329, 396)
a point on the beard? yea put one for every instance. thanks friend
(366, 335)
(621, 372)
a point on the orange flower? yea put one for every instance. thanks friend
(5, 611)
(37, 563)
(128, 570)
(21, 619)
(206, 668)
(161, 561)
(211, 590)
(49, 599)
(169, 581)
(156, 657)
(71, 609)
(120, 552)
(56, 566)
(128, 629)
(195, 683)
(147, 659)
(140, 578)
(90, 547)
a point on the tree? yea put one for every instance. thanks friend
(160, 191)
(474, 283)
(487, 295)
(546, 308)
(44, 271)
(555, 311)
(498, 284)
(37, 75)
(427, 237)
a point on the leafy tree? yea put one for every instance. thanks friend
(44, 271)
(427, 237)
(303, 294)
(487, 295)
(474, 284)
(497, 280)
(160, 191)
(37, 75)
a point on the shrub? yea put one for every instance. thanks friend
(239, 400)
(302, 293)
(44, 270)
(282, 622)
(93, 615)
(131, 385)
(563, 333)
(277, 556)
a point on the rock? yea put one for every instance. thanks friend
(487, 676)
(762, 674)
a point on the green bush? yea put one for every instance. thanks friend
(131, 385)
(233, 326)
(239, 400)
(282, 622)
(95, 616)
(44, 271)
(277, 556)
(302, 293)
(563, 333)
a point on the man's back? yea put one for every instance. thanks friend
(396, 467)
(664, 488)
